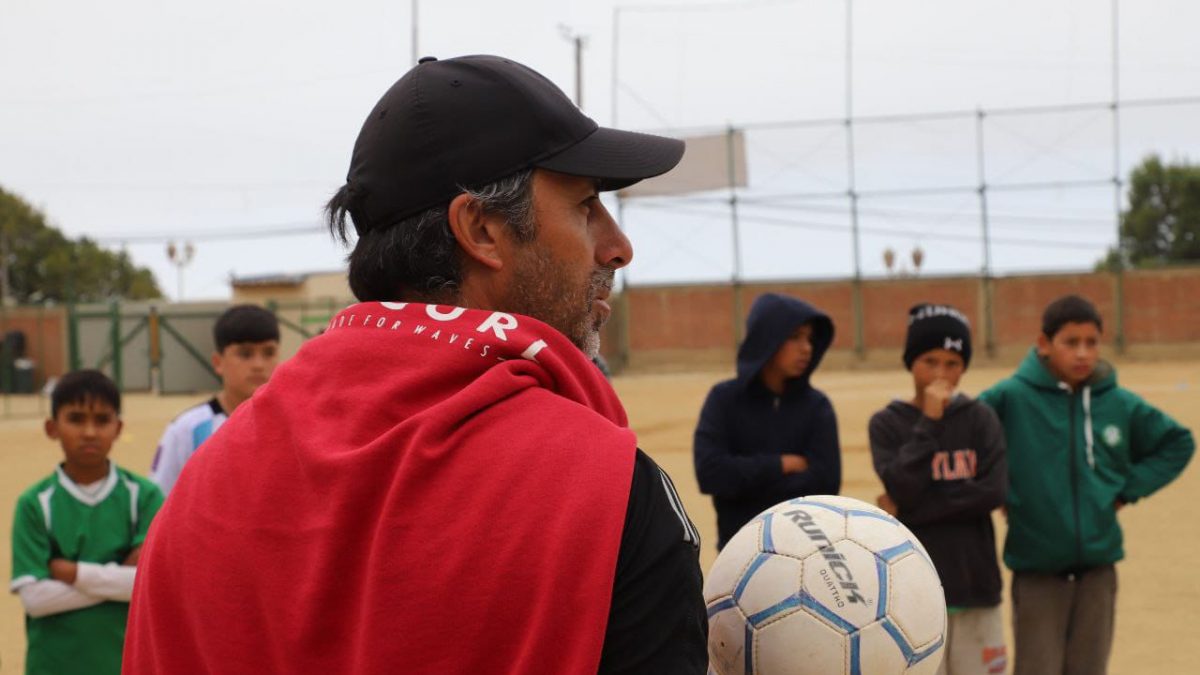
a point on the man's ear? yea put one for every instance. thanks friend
(52, 429)
(217, 362)
(480, 235)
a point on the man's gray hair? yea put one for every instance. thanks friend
(417, 258)
(511, 197)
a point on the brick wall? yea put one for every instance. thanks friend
(1018, 302)
(1162, 307)
(688, 324)
(670, 322)
(45, 338)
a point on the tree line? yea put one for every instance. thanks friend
(38, 263)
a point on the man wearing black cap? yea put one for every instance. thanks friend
(442, 481)
(942, 461)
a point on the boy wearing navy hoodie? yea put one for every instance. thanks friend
(768, 435)
(941, 458)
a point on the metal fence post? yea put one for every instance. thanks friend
(6, 359)
(1119, 291)
(40, 383)
(114, 317)
(989, 329)
(731, 168)
(73, 359)
(623, 302)
(156, 375)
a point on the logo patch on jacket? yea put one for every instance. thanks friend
(1112, 435)
(953, 464)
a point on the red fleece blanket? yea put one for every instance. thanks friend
(421, 489)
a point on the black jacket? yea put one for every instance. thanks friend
(744, 427)
(946, 477)
(657, 622)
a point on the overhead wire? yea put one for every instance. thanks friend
(845, 229)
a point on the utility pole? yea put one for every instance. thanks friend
(616, 25)
(579, 71)
(415, 53)
(578, 40)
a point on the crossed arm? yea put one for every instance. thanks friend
(76, 585)
(724, 472)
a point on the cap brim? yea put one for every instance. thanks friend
(617, 159)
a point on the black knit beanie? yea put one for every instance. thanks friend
(936, 327)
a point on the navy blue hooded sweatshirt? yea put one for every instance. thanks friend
(745, 427)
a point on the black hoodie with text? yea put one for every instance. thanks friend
(745, 427)
(946, 477)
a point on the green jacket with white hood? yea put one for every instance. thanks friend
(1071, 455)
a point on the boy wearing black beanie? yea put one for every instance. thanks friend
(941, 459)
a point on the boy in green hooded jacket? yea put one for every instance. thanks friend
(1079, 449)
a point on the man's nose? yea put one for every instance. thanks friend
(613, 248)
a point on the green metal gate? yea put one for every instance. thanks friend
(167, 349)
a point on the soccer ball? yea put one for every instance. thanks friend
(824, 585)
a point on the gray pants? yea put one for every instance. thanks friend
(974, 643)
(1063, 624)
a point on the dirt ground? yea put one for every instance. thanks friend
(1158, 583)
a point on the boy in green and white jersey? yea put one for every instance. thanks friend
(77, 535)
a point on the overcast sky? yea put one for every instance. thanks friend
(135, 121)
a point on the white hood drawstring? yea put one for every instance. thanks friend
(1087, 422)
(1087, 426)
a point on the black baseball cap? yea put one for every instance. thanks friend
(469, 121)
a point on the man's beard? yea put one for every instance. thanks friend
(546, 291)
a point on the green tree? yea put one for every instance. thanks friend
(1162, 224)
(44, 265)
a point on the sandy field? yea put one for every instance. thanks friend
(1158, 581)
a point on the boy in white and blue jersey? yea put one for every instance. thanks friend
(183, 435)
(77, 535)
(246, 338)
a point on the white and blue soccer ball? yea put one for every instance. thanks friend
(824, 585)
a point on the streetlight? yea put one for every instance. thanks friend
(180, 257)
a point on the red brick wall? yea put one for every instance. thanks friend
(681, 317)
(834, 298)
(1018, 302)
(1160, 307)
(886, 305)
(45, 338)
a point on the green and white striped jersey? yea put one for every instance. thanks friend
(56, 518)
